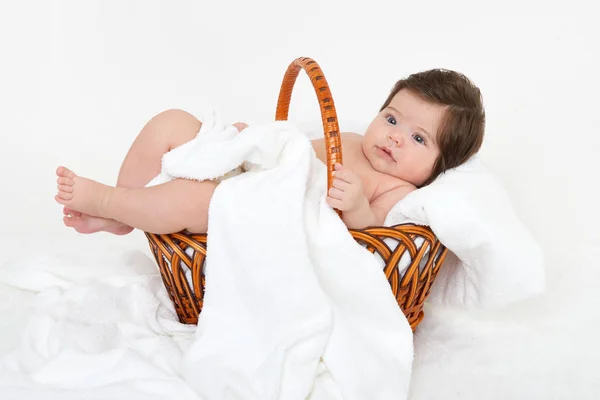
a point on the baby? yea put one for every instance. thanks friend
(431, 121)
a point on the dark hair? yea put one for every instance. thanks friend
(461, 131)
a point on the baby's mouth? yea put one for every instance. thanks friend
(386, 152)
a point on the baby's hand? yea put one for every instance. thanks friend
(346, 193)
(240, 126)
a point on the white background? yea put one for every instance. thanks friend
(79, 79)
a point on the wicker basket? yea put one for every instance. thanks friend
(182, 254)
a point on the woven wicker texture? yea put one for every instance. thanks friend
(415, 249)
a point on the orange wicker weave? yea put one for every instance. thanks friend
(415, 247)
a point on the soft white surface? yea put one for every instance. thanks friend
(541, 348)
(90, 334)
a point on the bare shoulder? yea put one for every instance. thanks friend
(350, 142)
(345, 136)
(355, 137)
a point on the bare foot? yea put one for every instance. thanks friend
(80, 194)
(84, 223)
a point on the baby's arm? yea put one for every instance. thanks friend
(374, 214)
(361, 217)
(347, 196)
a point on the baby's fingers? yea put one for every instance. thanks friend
(335, 203)
(335, 193)
(346, 175)
(339, 170)
(340, 184)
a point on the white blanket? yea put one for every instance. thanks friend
(494, 260)
(98, 328)
(290, 295)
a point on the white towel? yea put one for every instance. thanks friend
(290, 295)
(493, 259)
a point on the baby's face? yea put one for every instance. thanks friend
(401, 140)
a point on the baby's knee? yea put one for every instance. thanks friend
(173, 127)
(175, 116)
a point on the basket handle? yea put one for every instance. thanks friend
(333, 142)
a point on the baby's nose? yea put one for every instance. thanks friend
(396, 138)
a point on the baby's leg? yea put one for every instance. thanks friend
(85, 223)
(162, 133)
(171, 207)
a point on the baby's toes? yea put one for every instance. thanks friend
(73, 222)
(70, 212)
(68, 221)
(65, 188)
(61, 180)
(64, 195)
(65, 172)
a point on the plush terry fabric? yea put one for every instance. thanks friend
(494, 260)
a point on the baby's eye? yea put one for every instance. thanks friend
(419, 138)
(391, 120)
